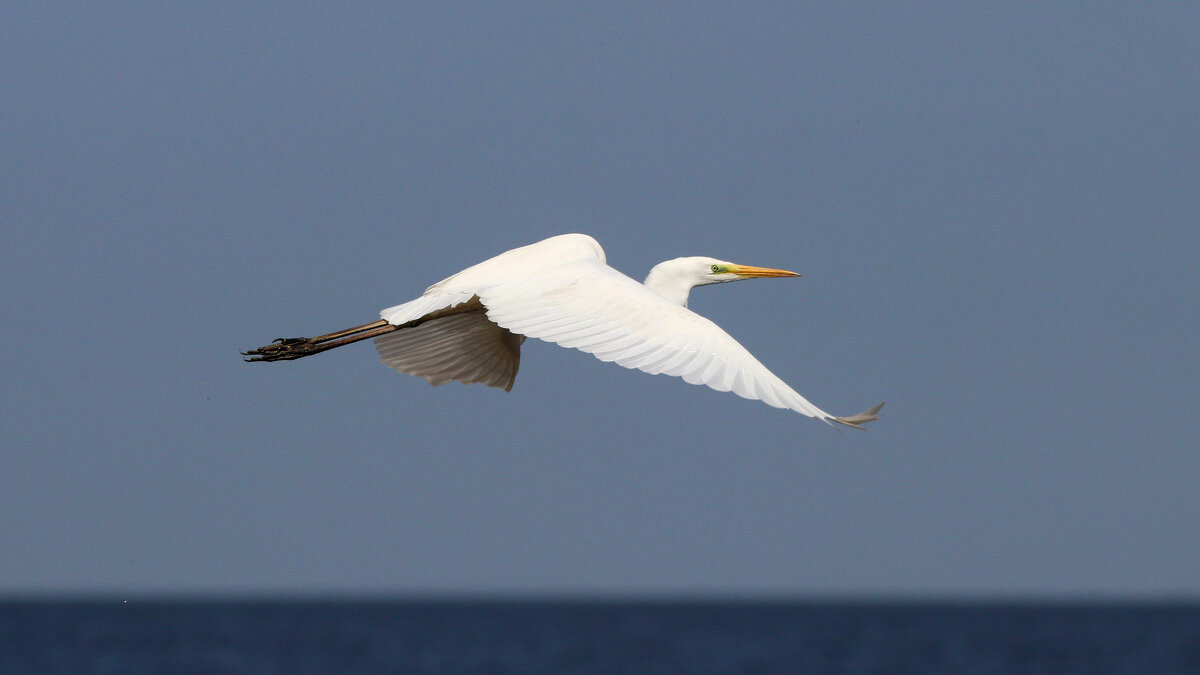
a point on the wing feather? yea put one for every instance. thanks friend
(592, 307)
(463, 346)
(469, 327)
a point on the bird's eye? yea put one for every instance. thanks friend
(716, 269)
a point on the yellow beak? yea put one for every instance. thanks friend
(750, 272)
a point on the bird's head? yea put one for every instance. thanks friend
(675, 278)
(712, 271)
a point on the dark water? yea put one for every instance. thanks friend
(594, 637)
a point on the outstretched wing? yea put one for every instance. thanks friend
(561, 291)
(592, 307)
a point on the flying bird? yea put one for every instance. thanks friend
(470, 326)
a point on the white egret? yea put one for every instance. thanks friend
(470, 326)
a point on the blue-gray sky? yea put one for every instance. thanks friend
(995, 210)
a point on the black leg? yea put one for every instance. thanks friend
(288, 349)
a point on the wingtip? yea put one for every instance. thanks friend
(857, 421)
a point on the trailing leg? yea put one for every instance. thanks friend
(288, 349)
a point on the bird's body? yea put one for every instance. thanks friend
(469, 327)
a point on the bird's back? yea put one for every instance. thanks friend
(524, 262)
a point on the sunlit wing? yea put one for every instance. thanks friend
(594, 308)
(575, 300)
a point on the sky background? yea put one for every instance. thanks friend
(995, 210)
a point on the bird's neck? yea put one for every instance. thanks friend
(668, 283)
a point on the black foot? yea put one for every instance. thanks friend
(283, 349)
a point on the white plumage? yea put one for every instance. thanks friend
(470, 326)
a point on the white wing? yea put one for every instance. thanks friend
(560, 290)
(601, 311)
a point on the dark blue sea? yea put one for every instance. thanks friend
(595, 637)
